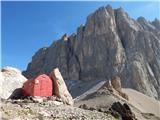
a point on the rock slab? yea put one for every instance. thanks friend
(60, 88)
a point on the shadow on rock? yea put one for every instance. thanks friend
(123, 110)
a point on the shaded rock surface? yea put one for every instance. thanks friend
(11, 82)
(109, 44)
(144, 107)
(124, 110)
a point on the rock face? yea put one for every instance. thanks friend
(11, 82)
(60, 88)
(109, 44)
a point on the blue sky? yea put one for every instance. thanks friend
(28, 26)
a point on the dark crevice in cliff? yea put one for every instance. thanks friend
(71, 54)
(154, 70)
(124, 46)
(68, 54)
(119, 31)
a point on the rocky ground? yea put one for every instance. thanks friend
(19, 110)
(100, 105)
(93, 100)
(94, 96)
(57, 107)
(103, 100)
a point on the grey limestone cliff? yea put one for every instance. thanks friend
(109, 44)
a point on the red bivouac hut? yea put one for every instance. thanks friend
(41, 85)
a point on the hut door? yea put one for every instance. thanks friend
(37, 87)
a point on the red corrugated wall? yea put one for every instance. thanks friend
(39, 86)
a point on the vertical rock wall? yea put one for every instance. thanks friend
(109, 44)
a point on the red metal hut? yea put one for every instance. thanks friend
(41, 85)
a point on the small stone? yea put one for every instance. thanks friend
(84, 106)
(37, 99)
(57, 103)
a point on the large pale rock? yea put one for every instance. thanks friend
(11, 82)
(109, 44)
(116, 83)
(60, 88)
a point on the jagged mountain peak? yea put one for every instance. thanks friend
(156, 20)
(110, 44)
(156, 23)
(109, 7)
(141, 19)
